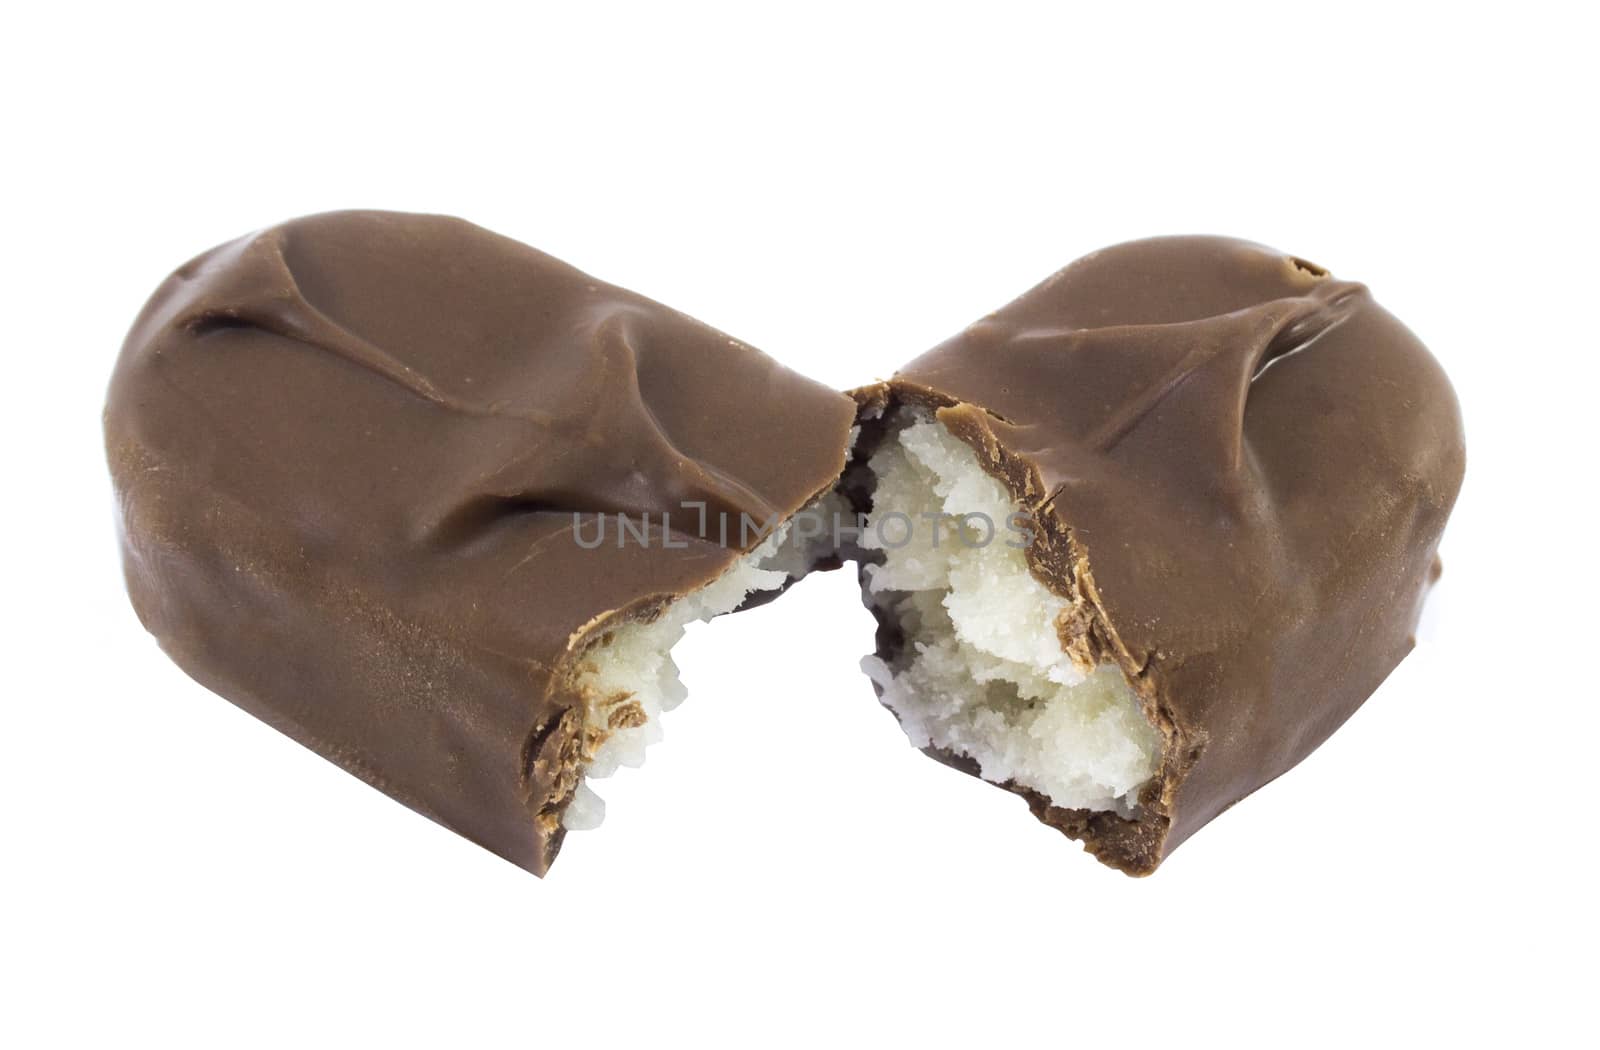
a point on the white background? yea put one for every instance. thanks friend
(842, 186)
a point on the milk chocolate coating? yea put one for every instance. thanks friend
(347, 453)
(1240, 468)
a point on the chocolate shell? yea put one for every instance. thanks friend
(1240, 468)
(349, 455)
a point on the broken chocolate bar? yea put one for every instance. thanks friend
(436, 505)
(1141, 540)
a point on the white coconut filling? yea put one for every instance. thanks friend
(629, 677)
(984, 673)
